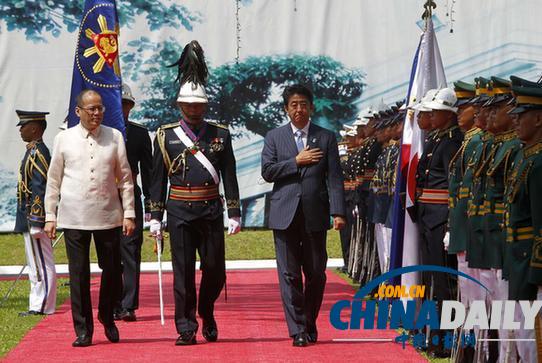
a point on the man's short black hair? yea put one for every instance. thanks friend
(79, 99)
(296, 89)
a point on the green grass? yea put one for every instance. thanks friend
(247, 245)
(13, 327)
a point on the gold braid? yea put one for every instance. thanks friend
(161, 137)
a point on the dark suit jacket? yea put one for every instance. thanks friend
(319, 186)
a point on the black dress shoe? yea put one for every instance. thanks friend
(117, 315)
(312, 337)
(300, 340)
(210, 331)
(82, 341)
(110, 330)
(127, 315)
(112, 333)
(30, 313)
(186, 338)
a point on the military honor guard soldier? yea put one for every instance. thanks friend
(30, 218)
(432, 202)
(194, 155)
(523, 216)
(139, 152)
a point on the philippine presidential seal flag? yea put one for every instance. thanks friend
(96, 64)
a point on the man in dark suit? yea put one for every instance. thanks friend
(139, 152)
(302, 160)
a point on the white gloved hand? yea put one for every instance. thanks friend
(155, 228)
(355, 212)
(234, 225)
(36, 232)
(446, 241)
(147, 217)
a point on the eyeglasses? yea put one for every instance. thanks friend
(94, 109)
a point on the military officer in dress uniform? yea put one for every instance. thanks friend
(30, 218)
(139, 152)
(501, 155)
(381, 188)
(432, 203)
(194, 155)
(523, 216)
(346, 153)
(460, 183)
(367, 159)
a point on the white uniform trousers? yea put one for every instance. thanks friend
(383, 243)
(41, 273)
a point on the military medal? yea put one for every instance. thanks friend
(217, 144)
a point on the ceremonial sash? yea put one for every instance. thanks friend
(198, 154)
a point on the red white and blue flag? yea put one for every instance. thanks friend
(427, 73)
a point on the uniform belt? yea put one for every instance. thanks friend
(434, 196)
(350, 185)
(464, 192)
(497, 208)
(193, 193)
(519, 234)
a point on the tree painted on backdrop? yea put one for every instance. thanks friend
(243, 95)
(39, 18)
(248, 94)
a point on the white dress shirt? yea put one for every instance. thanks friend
(305, 132)
(91, 176)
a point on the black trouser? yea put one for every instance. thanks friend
(130, 252)
(107, 248)
(207, 237)
(346, 232)
(433, 253)
(298, 249)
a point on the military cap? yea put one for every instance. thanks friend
(527, 98)
(502, 91)
(464, 92)
(516, 81)
(30, 116)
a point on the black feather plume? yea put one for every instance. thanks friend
(192, 67)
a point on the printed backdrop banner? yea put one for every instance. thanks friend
(352, 53)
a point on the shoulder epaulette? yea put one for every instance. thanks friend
(222, 126)
(169, 126)
(138, 125)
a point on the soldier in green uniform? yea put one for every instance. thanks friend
(478, 163)
(523, 217)
(460, 182)
(30, 218)
(503, 151)
(194, 155)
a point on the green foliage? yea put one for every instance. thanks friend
(247, 94)
(158, 107)
(37, 18)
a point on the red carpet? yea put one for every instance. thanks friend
(251, 328)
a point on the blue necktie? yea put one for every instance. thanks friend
(299, 140)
